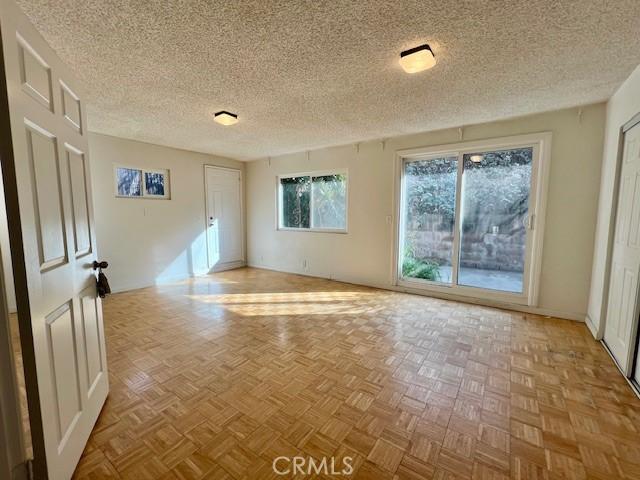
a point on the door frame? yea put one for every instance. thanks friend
(13, 455)
(11, 430)
(540, 172)
(628, 369)
(242, 262)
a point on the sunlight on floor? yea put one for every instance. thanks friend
(291, 303)
(200, 280)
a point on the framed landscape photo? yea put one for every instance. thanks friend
(128, 182)
(156, 184)
(141, 183)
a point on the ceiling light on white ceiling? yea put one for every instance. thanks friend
(300, 91)
(417, 59)
(225, 118)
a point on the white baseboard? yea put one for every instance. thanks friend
(229, 266)
(120, 287)
(128, 286)
(631, 383)
(592, 327)
(125, 287)
(574, 316)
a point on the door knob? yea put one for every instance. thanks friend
(97, 265)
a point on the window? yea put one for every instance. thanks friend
(467, 218)
(316, 202)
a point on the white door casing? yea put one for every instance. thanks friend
(225, 247)
(622, 305)
(50, 212)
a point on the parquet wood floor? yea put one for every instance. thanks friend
(215, 377)
(22, 392)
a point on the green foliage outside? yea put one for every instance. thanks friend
(329, 198)
(296, 195)
(329, 201)
(495, 193)
(419, 268)
(424, 269)
(496, 186)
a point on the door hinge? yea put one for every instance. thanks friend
(532, 221)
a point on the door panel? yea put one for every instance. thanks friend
(47, 183)
(428, 229)
(43, 156)
(92, 338)
(79, 200)
(622, 305)
(213, 232)
(224, 217)
(64, 370)
(493, 219)
(71, 107)
(35, 74)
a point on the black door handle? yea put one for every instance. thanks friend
(102, 284)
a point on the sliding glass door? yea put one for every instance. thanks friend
(467, 218)
(493, 219)
(429, 219)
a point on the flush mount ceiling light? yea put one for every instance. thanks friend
(225, 118)
(476, 158)
(417, 59)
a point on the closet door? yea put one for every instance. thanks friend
(622, 306)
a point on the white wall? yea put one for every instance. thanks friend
(364, 255)
(150, 241)
(622, 106)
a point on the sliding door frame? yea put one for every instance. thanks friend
(541, 143)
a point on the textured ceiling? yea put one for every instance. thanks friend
(308, 74)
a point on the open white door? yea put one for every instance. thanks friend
(48, 191)
(622, 306)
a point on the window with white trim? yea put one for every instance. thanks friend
(313, 202)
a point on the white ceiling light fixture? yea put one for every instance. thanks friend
(417, 59)
(225, 118)
(476, 158)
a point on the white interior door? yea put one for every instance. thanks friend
(622, 306)
(224, 218)
(49, 208)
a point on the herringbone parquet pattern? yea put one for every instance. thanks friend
(215, 377)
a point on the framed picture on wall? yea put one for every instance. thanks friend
(141, 183)
(156, 183)
(128, 182)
